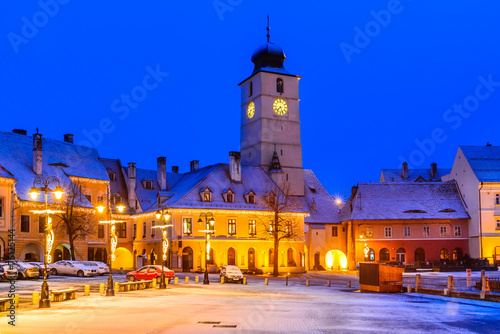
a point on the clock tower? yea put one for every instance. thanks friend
(270, 119)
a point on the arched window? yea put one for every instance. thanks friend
(444, 254)
(279, 85)
(401, 255)
(289, 257)
(419, 254)
(384, 255)
(250, 89)
(371, 255)
(231, 257)
(458, 254)
(271, 257)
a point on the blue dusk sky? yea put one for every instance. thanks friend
(382, 81)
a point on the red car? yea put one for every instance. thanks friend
(149, 273)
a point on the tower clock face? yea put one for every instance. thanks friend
(280, 107)
(251, 110)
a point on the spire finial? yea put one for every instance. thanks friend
(268, 29)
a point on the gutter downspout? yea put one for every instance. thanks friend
(480, 224)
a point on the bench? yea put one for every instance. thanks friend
(61, 295)
(136, 285)
(3, 303)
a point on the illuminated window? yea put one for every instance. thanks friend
(369, 231)
(271, 225)
(371, 255)
(442, 231)
(279, 85)
(335, 231)
(498, 224)
(231, 226)
(100, 231)
(288, 228)
(426, 231)
(153, 230)
(388, 231)
(144, 230)
(458, 231)
(384, 255)
(25, 223)
(252, 228)
(444, 254)
(121, 230)
(187, 226)
(1, 207)
(407, 231)
(134, 232)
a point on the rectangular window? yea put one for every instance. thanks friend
(458, 231)
(89, 198)
(41, 224)
(498, 224)
(153, 230)
(144, 230)
(25, 223)
(100, 231)
(369, 231)
(121, 230)
(442, 231)
(388, 231)
(426, 231)
(1, 207)
(252, 227)
(187, 226)
(231, 226)
(497, 199)
(230, 198)
(335, 231)
(206, 197)
(407, 231)
(134, 232)
(271, 224)
(288, 228)
(251, 199)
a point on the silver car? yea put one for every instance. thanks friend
(99, 266)
(77, 268)
(26, 269)
(6, 273)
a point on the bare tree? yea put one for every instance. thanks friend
(283, 224)
(75, 220)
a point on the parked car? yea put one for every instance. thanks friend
(231, 274)
(26, 270)
(77, 268)
(41, 268)
(150, 272)
(101, 268)
(6, 273)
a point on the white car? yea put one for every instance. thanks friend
(101, 268)
(77, 268)
(231, 274)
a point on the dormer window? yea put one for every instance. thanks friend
(228, 196)
(117, 198)
(147, 183)
(206, 195)
(111, 175)
(447, 210)
(279, 86)
(250, 197)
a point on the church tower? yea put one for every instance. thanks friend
(270, 119)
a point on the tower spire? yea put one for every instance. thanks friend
(268, 29)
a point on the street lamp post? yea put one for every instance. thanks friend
(165, 216)
(113, 239)
(209, 229)
(42, 184)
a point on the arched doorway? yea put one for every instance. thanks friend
(316, 261)
(444, 254)
(458, 254)
(123, 258)
(335, 260)
(32, 252)
(231, 256)
(251, 258)
(419, 254)
(401, 255)
(271, 257)
(496, 255)
(211, 259)
(62, 253)
(384, 255)
(289, 258)
(187, 259)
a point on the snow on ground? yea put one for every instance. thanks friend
(257, 308)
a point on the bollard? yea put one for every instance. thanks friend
(187, 279)
(35, 298)
(446, 292)
(244, 280)
(265, 281)
(307, 282)
(485, 284)
(16, 301)
(222, 280)
(196, 279)
(450, 283)
(348, 284)
(328, 283)
(418, 282)
(117, 287)
(86, 291)
(176, 280)
(101, 288)
(154, 284)
(408, 288)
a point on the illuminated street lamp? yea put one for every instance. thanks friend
(42, 184)
(113, 239)
(209, 229)
(164, 215)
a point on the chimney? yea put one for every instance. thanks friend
(161, 174)
(235, 166)
(434, 171)
(68, 138)
(314, 205)
(37, 153)
(175, 169)
(405, 171)
(194, 165)
(353, 190)
(20, 132)
(131, 184)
